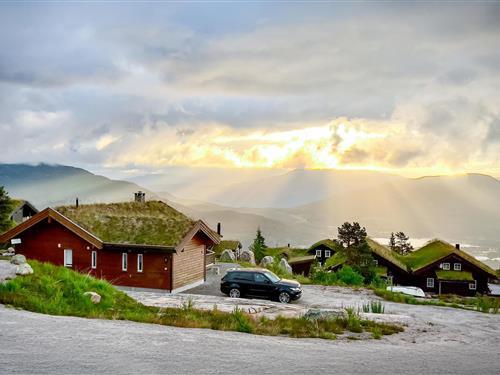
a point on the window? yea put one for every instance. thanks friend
(318, 253)
(68, 258)
(244, 276)
(94, 260)
(457, 266)
(446, 266)
(328, 253)
(260, 278)
(389, 280)
(375, 262)
(124, 261)
(139, 263)
(430, 282)
(473, 286)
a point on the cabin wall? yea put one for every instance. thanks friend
(41, 242)
(322, 258)
(399, 277)
(189, 264)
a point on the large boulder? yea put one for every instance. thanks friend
(18, 259)
(325, 314)
(24, 269)
(7, 270)
(285, 266)
(9, 252)
(95, 298)
(227, 256)
(267, 261)
(247, 256)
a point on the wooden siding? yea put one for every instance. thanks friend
(189, 263)
(41, 242)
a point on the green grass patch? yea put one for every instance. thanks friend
(59, 291)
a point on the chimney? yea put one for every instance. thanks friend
(457, 246)
(76, 204)
(140, 197)
(218, 229)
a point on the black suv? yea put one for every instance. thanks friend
(255, 282)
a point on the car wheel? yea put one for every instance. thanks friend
(284, 297)
(234, 293)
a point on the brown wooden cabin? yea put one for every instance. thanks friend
(22, 211)
(117, 246)
(451, 271)
(302, 265)
(323, 250)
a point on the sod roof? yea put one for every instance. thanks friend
(335, 260)
(327, 242)
(454, 275)
(302, 259)
(149, 223)
(386, 253)
(436, 250)
(226, 244)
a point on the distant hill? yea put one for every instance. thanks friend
(52, 185)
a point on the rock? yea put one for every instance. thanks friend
(7, 270)
(24, 269)
(247, 256)
(18, 259)
(317, 314)
(95, 298)
(266, 261)
(285, 266)
(227, 256)
(9, 252)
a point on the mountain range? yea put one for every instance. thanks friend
(296, 207)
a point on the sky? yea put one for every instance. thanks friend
(410, 88)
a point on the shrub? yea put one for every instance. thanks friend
(349, 276)
(325, 278)
(353, 320)
(242, 321)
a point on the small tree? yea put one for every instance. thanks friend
(5, 210)
(259, 246)
(351, 234)
(392, 242)
(403, 245)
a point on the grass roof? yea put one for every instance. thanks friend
(438, 249)
(327, 242)
(386, 253)
(290, 252)
(335, 260)
(454, 275)
(302, 259)
(226, 244)
(149, 223)
(381, 271)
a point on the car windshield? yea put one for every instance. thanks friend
(272, 276)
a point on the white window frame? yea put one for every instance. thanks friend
(390, 279)
(140, 262)
(93, 260)
(430, 282)
(457, 266)
(67, 263)
(328, 253)
(124, 261)
(375, 262)
(446, 266)
(473, 286)
(318, 253)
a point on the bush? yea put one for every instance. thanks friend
(348, 276)
(325, 278)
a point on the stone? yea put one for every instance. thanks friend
(227, 256)
(285, 266)
(24, 269)
(18, 259)
(247, 256)
(95, 298)
(267, 261)
(7, 270)
(325, 314)
(9, 252)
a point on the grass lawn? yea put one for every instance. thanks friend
(59, 291)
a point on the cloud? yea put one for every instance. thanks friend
(407, 88)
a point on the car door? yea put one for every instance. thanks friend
(262, 286)
(245, 281)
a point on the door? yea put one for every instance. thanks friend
(68, 258)
(262, 286)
